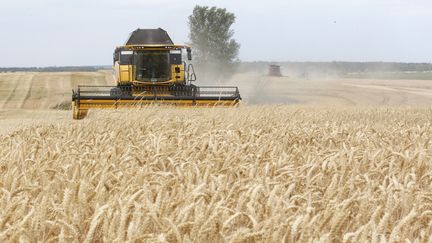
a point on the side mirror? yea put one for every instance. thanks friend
(189, 54)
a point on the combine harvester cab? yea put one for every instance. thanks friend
(149, 70)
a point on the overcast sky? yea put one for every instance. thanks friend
(85, 32)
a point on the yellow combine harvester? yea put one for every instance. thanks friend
(149, 69)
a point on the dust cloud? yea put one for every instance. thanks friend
(327, 84)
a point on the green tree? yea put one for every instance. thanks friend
(211, 37)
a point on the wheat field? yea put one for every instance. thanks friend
(248, 174)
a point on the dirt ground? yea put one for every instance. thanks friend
(28, 98)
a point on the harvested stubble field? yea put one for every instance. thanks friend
(258, 173)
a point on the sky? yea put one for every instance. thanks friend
(85, 32)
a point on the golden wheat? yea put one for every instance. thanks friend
(270, 173)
